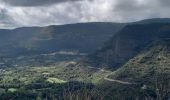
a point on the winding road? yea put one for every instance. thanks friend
(118, 81)
(109, 79)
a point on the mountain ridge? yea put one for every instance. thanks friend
(127, 43)
(57, 38)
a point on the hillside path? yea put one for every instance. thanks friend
(109, 79)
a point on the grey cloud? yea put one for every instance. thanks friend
(16, 13)
(28, 3)
(163, 4)
(132, 10)
(6, 21)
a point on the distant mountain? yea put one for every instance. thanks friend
(114, 43)
(81, 37)
(154, 20)
(127, 43)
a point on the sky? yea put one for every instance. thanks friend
(19, 13)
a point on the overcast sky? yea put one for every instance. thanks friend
(17, 13)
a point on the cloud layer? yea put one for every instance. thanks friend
(17, 13)
(34, 2)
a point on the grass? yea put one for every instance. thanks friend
(97, 77)
(53, 74)
(12, 90)
(55, 80)
(27, 80)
